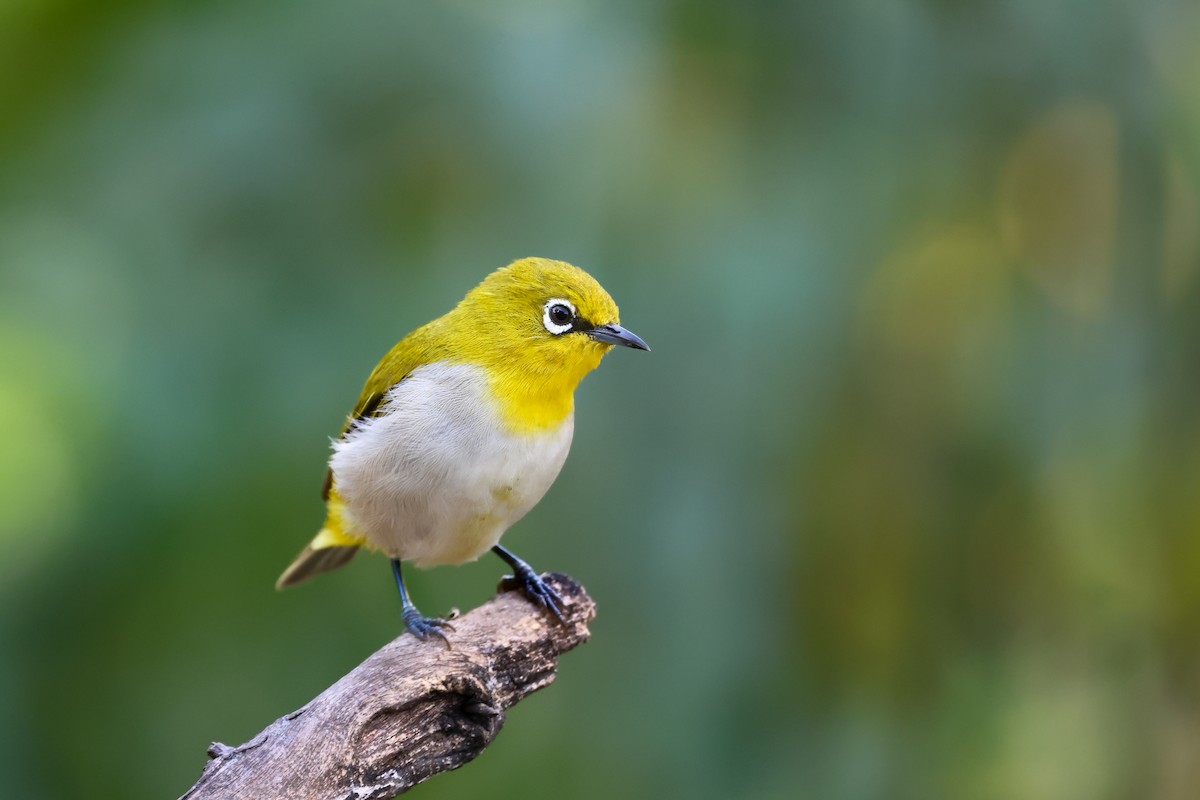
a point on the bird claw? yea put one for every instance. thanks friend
(538, 591)
(424, 627)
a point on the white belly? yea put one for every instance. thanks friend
(435, 478)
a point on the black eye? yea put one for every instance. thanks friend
(560, 314)
(557, 315)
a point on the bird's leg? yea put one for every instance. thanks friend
(531, 584)
(422, 627)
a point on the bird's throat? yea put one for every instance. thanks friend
(532, 404)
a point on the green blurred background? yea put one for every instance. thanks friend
(904, 504)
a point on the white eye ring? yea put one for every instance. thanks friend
(550, 324)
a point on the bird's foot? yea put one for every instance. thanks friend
(538, 591)
(424, 627)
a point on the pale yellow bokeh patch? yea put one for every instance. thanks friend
(1057, 738)
(1170, 38)
(938, 295)
(38, 480)
(1058, 205)
(1181, 230)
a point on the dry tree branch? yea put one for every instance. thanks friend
(411, 710)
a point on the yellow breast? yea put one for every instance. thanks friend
(532, 404)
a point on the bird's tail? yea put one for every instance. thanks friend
(329, 549)
(313, 561)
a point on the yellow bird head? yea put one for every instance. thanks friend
(543, 314)
(538, 326)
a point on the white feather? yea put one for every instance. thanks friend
(435, 478)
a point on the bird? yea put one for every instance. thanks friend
(461, 429)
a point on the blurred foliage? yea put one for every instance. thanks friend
(904, 504)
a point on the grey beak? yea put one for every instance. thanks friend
(615, 334)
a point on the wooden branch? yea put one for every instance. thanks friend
(411, 710)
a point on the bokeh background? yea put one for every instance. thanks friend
(904, 504)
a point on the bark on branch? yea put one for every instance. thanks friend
(411, 710)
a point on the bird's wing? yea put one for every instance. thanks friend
(400, 361)
(367, 406)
